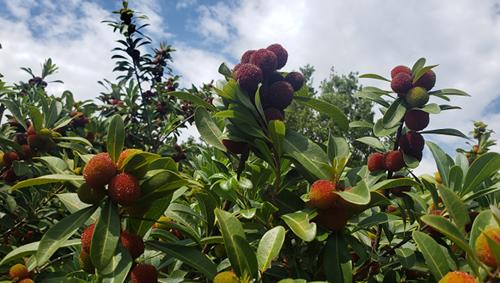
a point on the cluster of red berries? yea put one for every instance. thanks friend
(134, 244)
(122, 187)
(259, 67)
(333, 211)
(19, 273)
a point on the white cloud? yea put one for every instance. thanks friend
(183, 4)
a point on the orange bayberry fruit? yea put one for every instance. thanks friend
(133, 243)
(376, 162)
(124, 189)
(226, 277)
(457, 277)
(99, 170)
(483, 250)
(144, 273)
(18, 271)
(322, 194)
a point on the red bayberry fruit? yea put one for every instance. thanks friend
(401, 83)
(281, 54)
(394, 161)
(416, 120)
(132, 243)
(99, 170)
(296, 79)
(376, 162)
(266, 60)
(412, 143)
(322, 194)
(87, 238)
(400, 69)
(124, 189)
(427, 80)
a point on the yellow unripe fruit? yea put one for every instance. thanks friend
(483, 250)
(226, 277)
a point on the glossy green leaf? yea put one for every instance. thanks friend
(380, 131)
(47, 179)
(196, 100)
(482, 168)
(60, 233)
(434, 256)
(373, 142)
(188, 255)
(446, 132)
(75, 140)
(393, 183)
(15, 110)
(443, 161)
(419, 64)
(360, 124)
(118, 267)
(449, 91)
(419, 73)
(394, 114)
(373, 76)
(31, 248)
(337, 147)
(116, 137)
(301, 225)
(326, 108)
(359, 194)
(431, 108)
(106, 235)
(277, 133)
(240, 254)
(455, 178)
(269, 247)
(207, 128)
(335, 255)
(307, 153)
(451, 231)
(483, 220)
(456, 208)
(36, 117)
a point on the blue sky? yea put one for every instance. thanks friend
(365, 36)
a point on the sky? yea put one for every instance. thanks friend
(462, 36)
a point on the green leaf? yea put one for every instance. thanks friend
(196, 100)
(434, 256)
(373, 76)
(15, 110)
(451, 231)
(269, 247)
(360, 124)
(73, 204)
(36, 118)
(277, 132)
(359, 194)
(456, 208)
(375, 97)
(373, 142)
(300, 225)
(188, 255)
(207, 128)
(393, 183)
(47, 179)
(31, 248)
(421, 72)
(119, 266)
(307, 153)
(380, 131)
(394, 114)
(60, 232)
(337, 147)
(376, 219)
(106, 235)
(116, 137)
(481, 169)
(418, 65)
(443, 161)
(483, 220)
(446, 132)
(225, 71)
(240, 254)
(74, 139)
(449, 91)
(326, 108)
(455, 178)
(431, 108)
(335, 255)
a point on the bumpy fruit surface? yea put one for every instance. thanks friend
(376, 162)
(296, 79)
(226, 277)
(417, 97)
(416, 120)
(9, 157)
(124, 189)
(280, 95)
(144, 273)
(245, 58)
(249, 76)
(281, 54)
(411, 143)
(133, 243)
(90, 195)
(394, 161)
(99, 170)
(401, 83)
(235, 147)
(19, 271)
(400, 69)
(322, 194)
(483, 250)
(274, 114)
(427, 80)
(86, 262)
(87, 238)
(334, 217)
(266, 60)
(457, 277)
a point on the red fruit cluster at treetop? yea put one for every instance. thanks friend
(144, 273)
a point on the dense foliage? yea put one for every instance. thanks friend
(282, 190)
